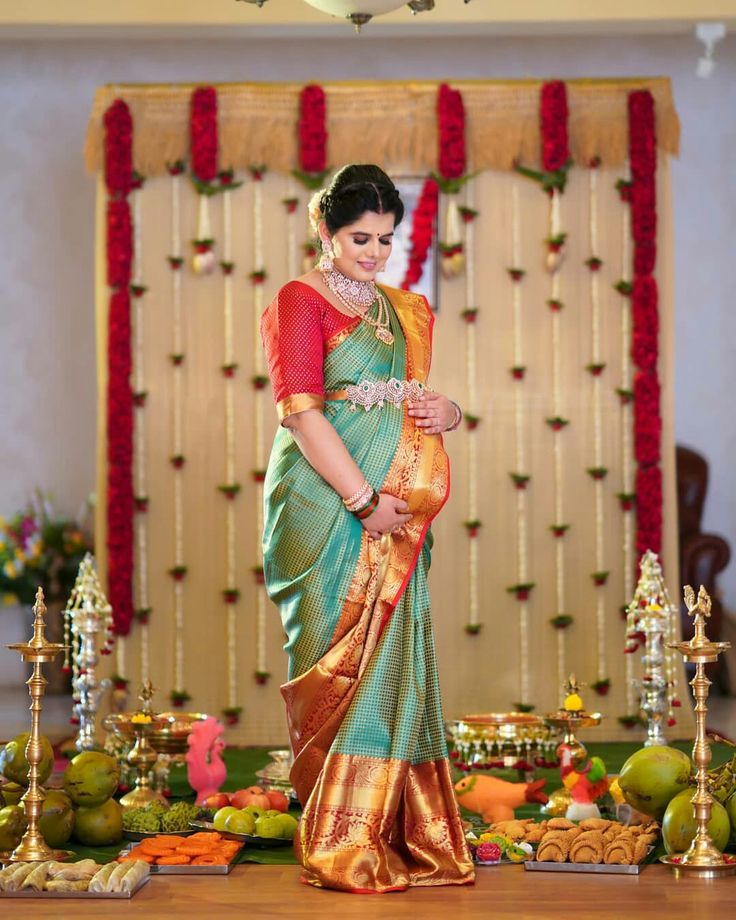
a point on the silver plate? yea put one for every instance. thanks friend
(187, 870)
(249, 839)
(600, 869)
(83, 895)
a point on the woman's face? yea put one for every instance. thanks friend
(362, 249)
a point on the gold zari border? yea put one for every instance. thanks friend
(298, 402)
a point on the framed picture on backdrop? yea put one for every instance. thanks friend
(410, 188)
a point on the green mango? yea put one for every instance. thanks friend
(91, 778)
(268, 827)
(14, 764)
(12, 826)
(12, 793)
(731, 809)
(99, 826)
(57, 818)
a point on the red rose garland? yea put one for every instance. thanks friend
(645, 314)
(120, 503)
(118, 149)
(422, 231)
(312, 129)
(203, 133)
(451, 133)
(553, 117)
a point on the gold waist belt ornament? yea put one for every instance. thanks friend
(369, 393)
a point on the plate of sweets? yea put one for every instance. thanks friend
(200, 853)
(84, 879)
(496, 849)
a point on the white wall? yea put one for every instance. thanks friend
(47, 374)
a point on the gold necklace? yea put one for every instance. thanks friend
(380, 324)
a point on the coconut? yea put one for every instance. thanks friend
(652, 777)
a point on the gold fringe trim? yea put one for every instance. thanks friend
(394, 124)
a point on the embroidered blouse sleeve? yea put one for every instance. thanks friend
(291, 330)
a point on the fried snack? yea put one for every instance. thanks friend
(516, 830)
(535, 832)
(16, 878)
(211, 836)
(98, 882)
(641, 848)
(587, 848)
(178, 859)
(37, 879)
(573, 832)
(74, 872)
(594, 824)
(553, 847)
(66, 884)
(169, 840)
(559, 824)
(620, 852)
(6, 873)
(135, 875)
(153, 848)
(115, 879)
(609, 835)
(195, 849)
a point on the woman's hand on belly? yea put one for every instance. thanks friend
(432, 412)
(390, 515)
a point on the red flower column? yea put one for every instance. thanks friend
(118, 126)
(645, 312)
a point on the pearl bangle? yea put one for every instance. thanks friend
(360, 498)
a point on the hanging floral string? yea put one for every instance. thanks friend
(422, 232)
(556, 163)
(178, 571)
(519, 478)
(119, 181)
(625, 391)
(257, 277)
(473, 625)
(203, 135)
(598, 470)
(138, 290)
(645, 315)
(230, 489)
(451, 165)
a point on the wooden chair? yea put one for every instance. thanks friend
(702, 555)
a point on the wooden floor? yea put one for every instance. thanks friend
(506, 891)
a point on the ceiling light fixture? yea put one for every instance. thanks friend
(360, 12)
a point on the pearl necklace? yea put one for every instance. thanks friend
(357, 297)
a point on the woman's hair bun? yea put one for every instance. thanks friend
(354, 190)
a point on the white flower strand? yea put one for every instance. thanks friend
(178, 440)
(561, 666)
(141, 524)
(471, 390)
(554, 220)
(230, 518)
(626, 437)
(260, 451)
(204, 227)
(595, 307)
(521, 504)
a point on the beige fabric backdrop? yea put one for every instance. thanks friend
(477, 672)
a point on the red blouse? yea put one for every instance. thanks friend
(295, 328)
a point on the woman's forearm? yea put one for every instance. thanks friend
(325, 451)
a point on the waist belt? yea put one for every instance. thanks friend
(369, 393)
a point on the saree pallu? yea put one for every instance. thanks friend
(362, 698)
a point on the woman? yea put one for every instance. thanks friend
(356, 475)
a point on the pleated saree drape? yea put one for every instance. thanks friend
(363, 702)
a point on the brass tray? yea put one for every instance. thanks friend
(79, 895)
(187, 870)
(263, 843)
